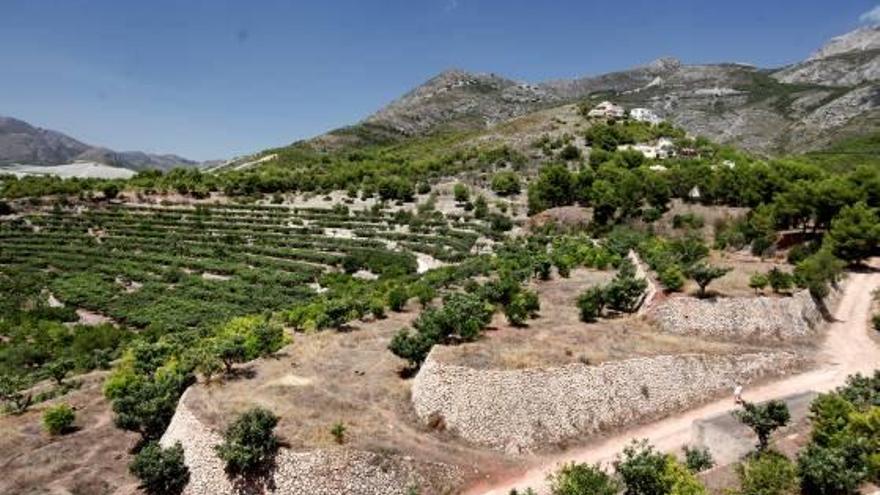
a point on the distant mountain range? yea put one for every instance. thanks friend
(831, 95)
(22, 143)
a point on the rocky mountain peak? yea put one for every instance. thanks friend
(665, 64)
(862, 39)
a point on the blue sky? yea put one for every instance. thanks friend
(215, 78)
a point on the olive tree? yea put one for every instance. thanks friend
(764, 419)
(703, 274)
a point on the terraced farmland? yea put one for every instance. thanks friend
(167, 268)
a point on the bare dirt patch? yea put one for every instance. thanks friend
(91, 460)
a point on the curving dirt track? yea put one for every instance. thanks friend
(848, 348)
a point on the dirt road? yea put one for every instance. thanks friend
(848, 348)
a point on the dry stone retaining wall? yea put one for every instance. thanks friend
(321, 472)
(741, 318)
(521, 410)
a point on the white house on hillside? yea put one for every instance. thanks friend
(661, 149)
(607, 110)
(645, 115)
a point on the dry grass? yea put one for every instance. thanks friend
(329, 377)
(744, 265)
(558, 337)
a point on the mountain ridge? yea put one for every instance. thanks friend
(800, 107)
(26, 144)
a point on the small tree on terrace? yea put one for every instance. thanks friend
(591, 303)
(231, 350)
(758, 281)
(397, 298)
(703, 274)
(779, 280)
(161, 471)
(59, 369)
(461, 193)
(249, 443)
(625, 291)
(764, 419)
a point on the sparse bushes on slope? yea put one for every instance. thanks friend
(462, 317)
(623, 294)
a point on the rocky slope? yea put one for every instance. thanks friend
(796, 108)
(23, 143)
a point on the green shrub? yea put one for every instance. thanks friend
(779, 280)
(827, 470)
(642, 468)
(338, 431)
(543, 268)
(591, 303)
(161, 471)
(582, 479)
(672, 278)
(397, 298)
(505, 183)
(569, 152)
(698, 459)
(59, 419)
(499, 223)
(249, 443)
(481, 207)
(625, 291)
(758, 281)
(768, 473)
(461, 193)
(680, 479)
(411, 346)
(563, 266)
(688, 220)
(146, 404)
(377, 309)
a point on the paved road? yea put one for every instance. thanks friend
(847, 349)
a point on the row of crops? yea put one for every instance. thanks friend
(163, 268)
